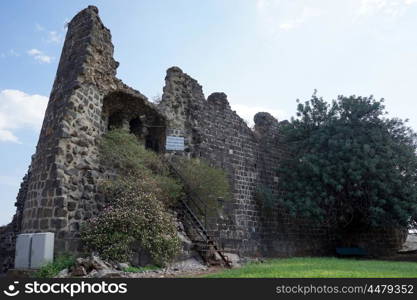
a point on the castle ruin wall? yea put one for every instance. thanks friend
(60, 190)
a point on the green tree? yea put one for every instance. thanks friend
(349, 164)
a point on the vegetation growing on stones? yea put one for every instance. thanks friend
(136, 203)
(208, 183)
(49, 270)
(127, 156)
(350, 166)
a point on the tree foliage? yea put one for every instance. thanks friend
(348, 164)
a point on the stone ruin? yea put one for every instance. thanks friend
(59, 191)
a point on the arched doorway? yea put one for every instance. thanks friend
(115, 121)
(136, 114)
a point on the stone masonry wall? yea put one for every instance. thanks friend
(65, 169)
(182, 97)
(64, 164)
(282, 235)
(214, 132)
(229, 143)
(217, 134)
(9, 232)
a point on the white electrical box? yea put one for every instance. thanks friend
(33, 250)
(42, 251)
(23, 247)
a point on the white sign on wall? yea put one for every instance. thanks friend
(175, 143)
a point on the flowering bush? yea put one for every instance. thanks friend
(133, 214)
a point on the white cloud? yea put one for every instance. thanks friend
(52, 36)
(19, 110)
(389, 8)
(276, 16)
(55, 37)
(39, 27)
(9, 53)
(12, 52)
(260, 4)
(13, 181)
(8, 136)
(248, 112)
(282, 15)
(287, 26)
(306, 14)
(40, 56)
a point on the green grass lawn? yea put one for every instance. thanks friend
(320, 267)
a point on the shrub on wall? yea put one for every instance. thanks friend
(127, 156)
(209, 184)
(137, 203)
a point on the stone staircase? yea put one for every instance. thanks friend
(204, 243)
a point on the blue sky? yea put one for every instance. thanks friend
(264, 54)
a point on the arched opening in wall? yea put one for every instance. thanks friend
(152, 136)
(115, 121)
(136, 114)
(136, 127)
(155, 139)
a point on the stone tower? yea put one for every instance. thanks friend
(86, 99)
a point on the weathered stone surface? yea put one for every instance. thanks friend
(410, 244)
(123, 266)
(109, 274)
(190, 263)
(234, 259)
(63, 273)
(79, 271)
(9, 232)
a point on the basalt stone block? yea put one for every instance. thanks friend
(47, 212)
(58, 223)
(71, 205)
(59, 202)
(60, 212)
(44, 224)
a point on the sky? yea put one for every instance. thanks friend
(264, 54)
